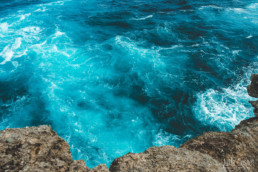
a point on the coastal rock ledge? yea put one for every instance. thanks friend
(41, 149)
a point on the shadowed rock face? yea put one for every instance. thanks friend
(255, 105)
(41, 149)
(252, 89)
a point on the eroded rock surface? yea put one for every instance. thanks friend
(252, 89)
(255, 105)
(33, 148)
(78, 166)
(37, 149)
(100, 168)
(237, 150)
(166, 158)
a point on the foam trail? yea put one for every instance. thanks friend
(143, 18)
(4, 27)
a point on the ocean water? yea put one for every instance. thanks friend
(119, 76)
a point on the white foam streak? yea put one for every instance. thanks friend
(210, 6)
(24, 16)
(58, 33)
(250, 36)
(9, 52)
(253, 6)
(4, 27)
(17, 44)
(143, 18)
(41, 9)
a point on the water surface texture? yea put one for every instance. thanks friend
(119, 76)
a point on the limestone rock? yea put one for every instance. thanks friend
(78, 166)
(166, 158)
(237, 150)
(35, 149)
(100, 168)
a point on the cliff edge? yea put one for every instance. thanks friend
(37, 149)
(41, 149)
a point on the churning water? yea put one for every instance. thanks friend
(119, 76)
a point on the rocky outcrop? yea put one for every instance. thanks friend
(252, 90)
(237, 150)
(41, 149)
(212, 151)
(255, 105)
(37, 149)
(166, 158)
(100, 168)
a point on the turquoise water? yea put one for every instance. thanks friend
(113, 77)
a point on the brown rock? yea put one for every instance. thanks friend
(166, 158)
(252, 90)
(237, 150)
(35, 149)
(255, 105)
(78, 166)
(100, 168)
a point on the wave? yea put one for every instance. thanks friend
(223, 109)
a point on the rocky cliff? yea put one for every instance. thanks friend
(38, 149)
(41, 149)
(252, 90)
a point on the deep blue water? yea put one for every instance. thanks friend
(119, 76)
